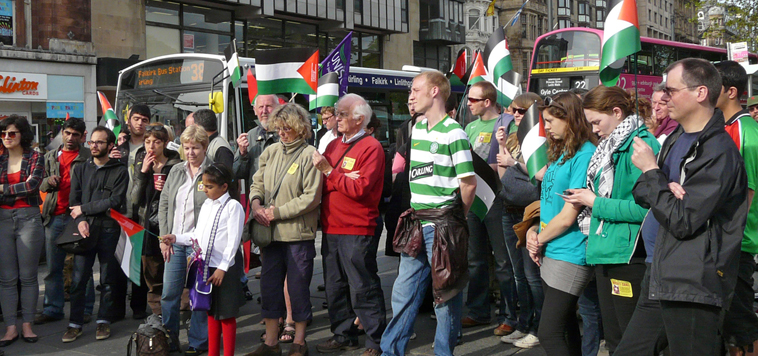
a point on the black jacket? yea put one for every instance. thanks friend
(99, 189)
(698, 243)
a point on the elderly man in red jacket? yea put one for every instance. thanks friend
(354, 170)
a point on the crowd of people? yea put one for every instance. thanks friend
(642, 220)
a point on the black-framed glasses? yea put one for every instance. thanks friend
(520, 111)
(98, 143)
(669, 91)
(324, 117)
(10, 134)
(475, 100)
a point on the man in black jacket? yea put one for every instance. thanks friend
(97, 185)
(696, 192)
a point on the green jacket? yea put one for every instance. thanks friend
(621, 216)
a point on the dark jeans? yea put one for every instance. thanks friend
(527, 276)
(111, 308)
(353, 287)
(559, 329)
(688, 328)
(293, 261)
(618, 309)
(532, 272)
(741, 323)
(592, 321)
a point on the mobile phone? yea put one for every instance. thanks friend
(564, 196)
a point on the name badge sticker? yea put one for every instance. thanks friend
(293, 168)
(485, 137)
(621, 288)
(348, 163)
(200, 186)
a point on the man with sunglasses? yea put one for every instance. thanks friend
(98, 185)
(487, 233)
(696, 191)
(55, 214)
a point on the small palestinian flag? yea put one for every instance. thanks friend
(458, 71)
(533, 140)
(252, 86)
(328, 91)
(233, 63)
(129, 248)
(287, 70)
(478, 70)
(487, 186)
(621, 38)
(111, 121)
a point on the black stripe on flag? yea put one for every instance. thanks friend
(282, 55)
(485, 171)
(327, 78)
(496, 37)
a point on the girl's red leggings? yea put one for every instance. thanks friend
(215, 328)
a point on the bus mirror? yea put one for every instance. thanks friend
(216, 101)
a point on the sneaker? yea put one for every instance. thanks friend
(71, 334)
(191, 351)
(527, 342)
(265, 350)
(43, 318)
(515, 336)
(371, 352)
(103, 331)
(333, 345)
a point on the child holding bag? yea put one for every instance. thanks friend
(218, 233)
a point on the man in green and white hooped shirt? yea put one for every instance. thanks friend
(440, 165)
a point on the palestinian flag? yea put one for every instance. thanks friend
(111, 121)
(496, 55)
(129, 248)
(487, 186)
(458, 71)
(287, 70)
(252, 86)
(328, 91)
(478, 70)
(533, 140)
(621, 38)
(233, 63)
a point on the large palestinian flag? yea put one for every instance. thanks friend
(287, 70)
(621, 38)
(496, 55)
(328, 91)
(487, 186)
(233, 63)
(129, 248)
(533, 140)
(111, 121)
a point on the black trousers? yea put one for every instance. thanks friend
(559, 328)
(353, 287)
(741, 323)
(687, 328)
(617, 308)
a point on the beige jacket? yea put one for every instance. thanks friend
(297, 203)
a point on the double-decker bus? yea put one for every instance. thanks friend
(570, 58)
(175, 85)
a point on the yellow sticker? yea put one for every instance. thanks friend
(484, 137)
(542, 225)
(348, 163)
(621, 288)
(200, 186)
(293, 168)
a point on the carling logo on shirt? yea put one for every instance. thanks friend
(422, 171)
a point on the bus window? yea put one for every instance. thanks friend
(644, 63)
(662, 57)
(568, 50)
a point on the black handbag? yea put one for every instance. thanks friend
(71, 241)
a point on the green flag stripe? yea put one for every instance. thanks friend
(289, 85)
(537, 161)
(479, 208)
(622, 44)
(135, 265)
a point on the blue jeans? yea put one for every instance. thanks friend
(173, 285)
(527, 273)
(407, 295)
(589, 309)
(56, 258)
(486, 236)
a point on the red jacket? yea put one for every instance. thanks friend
(351, 206)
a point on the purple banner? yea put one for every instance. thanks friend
(339, 61)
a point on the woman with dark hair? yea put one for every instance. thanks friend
(557, 243)
(21, 234)
(611, 217)
(153, 163)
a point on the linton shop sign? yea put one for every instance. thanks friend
(23, 86)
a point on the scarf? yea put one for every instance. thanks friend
(602, 163)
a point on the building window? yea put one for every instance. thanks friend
(174, 28)
(431, 56)
(473, 19)
(599, 18)
(523, 27)
(533, 26)
(584, 12)
(564, 7)
(564, 23)
(540, 25)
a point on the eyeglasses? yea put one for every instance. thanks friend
(156, 128)
(671, 91)
(475, 100)
(520, 111)
(343, 114)
(98, 143)
(549, 101)
(10, 134)
(324, 117)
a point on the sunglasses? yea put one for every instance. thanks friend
(156, 128)
(475, 100)
(549, 101)
(10, 134)
(520, 111)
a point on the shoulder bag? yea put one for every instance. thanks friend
(200, 290)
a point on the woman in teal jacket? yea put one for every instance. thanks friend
(611, 218)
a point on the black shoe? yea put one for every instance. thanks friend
(248, 293)
(333, 345)
(43, 318)
(30, 340)
(191, 351)
(321, 287)
(4, 343)
(325, 305)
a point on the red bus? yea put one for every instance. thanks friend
(570, 58)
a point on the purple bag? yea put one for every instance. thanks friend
(199, 288)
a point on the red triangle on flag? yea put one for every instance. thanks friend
(478, 69)
(628, 12)
(252, 86)
(68, 115)
(309, 71)
(541, 131)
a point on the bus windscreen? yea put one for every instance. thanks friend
(566, 52)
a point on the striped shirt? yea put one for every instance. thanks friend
(440, 156)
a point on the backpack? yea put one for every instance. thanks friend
(150, 339)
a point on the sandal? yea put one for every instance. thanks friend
(288, 334)
(281, 328)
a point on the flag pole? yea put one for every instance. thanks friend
(636, 93)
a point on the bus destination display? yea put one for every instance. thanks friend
(174, 73)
